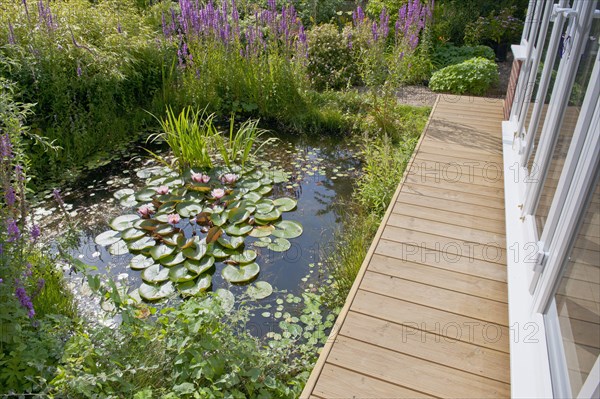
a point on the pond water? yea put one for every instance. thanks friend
(322, 176)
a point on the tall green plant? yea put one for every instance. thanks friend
(189, 135)
(237, 148)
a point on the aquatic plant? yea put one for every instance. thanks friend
(187, 223)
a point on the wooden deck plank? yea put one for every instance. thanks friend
(337, 382)
(411, 372)
(427, 315)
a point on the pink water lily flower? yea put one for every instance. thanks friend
(217, 193)
(200, 177)
(229, 178)
(173, 218)
(162, 190)
(145, 211)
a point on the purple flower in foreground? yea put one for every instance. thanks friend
(34, 232)
(5, 147)
(173, 218)
(200, 177)
(13, 230)
(217, 193)
(9, 196)
(162, 190)
(24, 299)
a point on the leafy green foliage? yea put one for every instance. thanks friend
(195, 350)
(474, 76)
(497, 27)
(330, 62)
(448, 54)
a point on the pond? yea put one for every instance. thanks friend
(321, 175)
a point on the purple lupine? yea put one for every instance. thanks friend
(358, 16)
(375, 32)
(384, 23)
(12, 230)
(58, 197)
(9, 196)
(6, 147)
(79, 71)
(24, 299)
(19, 173)
(34, 232)
(39, 287)
(26, 10)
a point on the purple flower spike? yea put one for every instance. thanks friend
(9, 196)
(5, 147)
(34, 232)
(13, 230)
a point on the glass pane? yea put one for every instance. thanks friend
(578, 298)
(567, 127)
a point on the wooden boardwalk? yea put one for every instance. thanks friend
(427, 315)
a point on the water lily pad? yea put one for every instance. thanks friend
(146, 194)
(118, 248)
(187, 209)
(238, 215)
(123, 222)
(241, 274)
(263, 242)
(233, 242)
(238, 230)
(218, 219)
(278, 176)
(279, 245)
(155, 292)
(259, 290)
(140, 262)
(199, 267)
(161, 251)
(287, 229)
(264, 190)
(250, 184)
(195, 287)
(155, 274)
(164, 230)
(247, 256)
(219, 252)
(128, 201)
(108, 237)
(146, 224)
(132, 234)
(197, 250)
(124, 192)
(252, 196)
(181, 274)
(262, 231)
(226, 298)
(265, 206)
(173, 260)
(268, 217)
(285, 204)
(141, 244)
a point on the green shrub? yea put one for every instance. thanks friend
(412, 68)
(448, 54)
(330, 63)
(474, 76)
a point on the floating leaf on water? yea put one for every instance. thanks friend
(264, 190)
(252, 196)
(181, 274)
(265, 206)
(197, 250)
(241, 274)
(155, 292)
(146, 194)
(149, 172)
(287, 229)
(146, 224)
(172, 260)
(161, 251)
(263, 242)
(218, 219)
(128, 201)
(233, 242)
(140, 262)
(124, 192)
(226, 298)
(250, 184)
(259, 290)
(199, 267)
(188, 209)
(268, 217)
(155, 274)
(238, 215)
(108, 238)
(195, 287)
(132, 234)
(285, 204)
(266, 314)
(164, 230)
(247, 256)
(238, 230)
(278, 176)
(123, 222)
(279, 245)
(262, 231)
(118, 248)
(141, 244)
